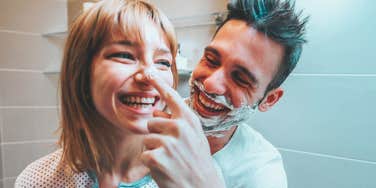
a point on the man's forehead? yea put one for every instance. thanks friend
(242, 45)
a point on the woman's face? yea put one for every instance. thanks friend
(123, 99)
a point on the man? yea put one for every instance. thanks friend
(242, 69)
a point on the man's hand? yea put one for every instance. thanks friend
(177, 151)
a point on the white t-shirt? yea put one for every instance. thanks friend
(250, 161)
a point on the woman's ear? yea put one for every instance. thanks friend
(272, 97)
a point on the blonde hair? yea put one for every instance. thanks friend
(87, 143)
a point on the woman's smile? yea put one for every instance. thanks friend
(139, 103)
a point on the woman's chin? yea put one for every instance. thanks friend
(135, 127)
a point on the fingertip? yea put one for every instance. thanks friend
(159, 113)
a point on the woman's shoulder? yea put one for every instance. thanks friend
(49, 171)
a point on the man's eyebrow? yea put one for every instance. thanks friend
(249, 74)
(213, 50)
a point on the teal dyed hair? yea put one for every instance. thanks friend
(277, 20)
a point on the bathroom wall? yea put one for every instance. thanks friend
(1, 153)
(28, 97)
(323, 126)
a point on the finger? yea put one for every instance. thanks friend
(153, 158)
(169, 95)
(153, 141)
(158, 113)
(163, 126)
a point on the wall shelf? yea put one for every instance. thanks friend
(55, 70)
(214, 18)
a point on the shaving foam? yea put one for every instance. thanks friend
(215, 125)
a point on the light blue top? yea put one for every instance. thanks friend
(137, 184)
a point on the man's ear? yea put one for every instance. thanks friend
(272, 97)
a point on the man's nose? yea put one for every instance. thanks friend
(216, 83)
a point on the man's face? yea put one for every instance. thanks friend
(238, 64)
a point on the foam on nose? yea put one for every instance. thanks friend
(149, 74)
(146, 74)
(139, 76)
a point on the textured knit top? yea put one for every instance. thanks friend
(50, 172)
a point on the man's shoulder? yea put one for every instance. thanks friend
(250, 160)
(247, 142)
(48, 171)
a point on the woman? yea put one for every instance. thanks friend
(104, 105)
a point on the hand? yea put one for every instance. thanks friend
(177, 151)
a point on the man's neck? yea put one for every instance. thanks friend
(217, 143)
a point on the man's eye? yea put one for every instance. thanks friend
(238, 78)
(122, 55)
(211, 62)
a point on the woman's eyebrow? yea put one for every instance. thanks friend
(122, 42)
(163, 51)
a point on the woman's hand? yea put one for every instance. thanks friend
(177, 151)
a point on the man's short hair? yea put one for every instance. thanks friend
(277, 20)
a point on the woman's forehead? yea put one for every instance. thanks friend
(140, 35)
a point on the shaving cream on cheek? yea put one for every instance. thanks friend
(214, 125)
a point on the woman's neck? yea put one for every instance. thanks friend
(128, 164)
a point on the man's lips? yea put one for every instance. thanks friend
(206, 106)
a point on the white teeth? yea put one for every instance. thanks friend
(209, 104)
(134, 99)
(140, 105)
(147, 100)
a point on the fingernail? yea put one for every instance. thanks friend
(138, 76)
(149, 74)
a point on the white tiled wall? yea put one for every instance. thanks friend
(34, 16)
(30, 51)
(312, 171)
(35, 124)
(1, 166)
(180, 8)
(28, 97)
(325, 114)
(323, 126)
(341, 34)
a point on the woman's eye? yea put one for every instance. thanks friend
(165, 64)
(122, 55)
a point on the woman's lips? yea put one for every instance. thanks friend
(140, 104)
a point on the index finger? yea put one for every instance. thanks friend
(168, 94)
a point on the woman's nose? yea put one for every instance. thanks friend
(142, 76)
